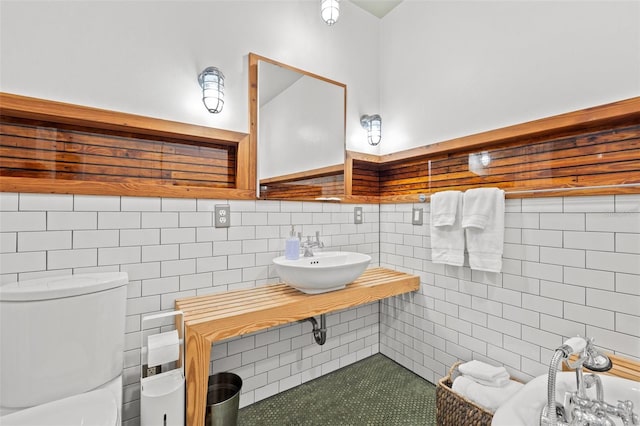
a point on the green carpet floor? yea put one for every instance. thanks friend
(374, 391)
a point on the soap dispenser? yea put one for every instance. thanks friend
(292, 246)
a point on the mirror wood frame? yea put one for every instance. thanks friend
(334, 169)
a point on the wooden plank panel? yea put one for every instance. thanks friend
(40, 131)
(78, 171)
(224, 158)
(445, 169)
(59, 154)
(165, 152)
(366, 179)
(87, 160)
(593, 167)
(110, 153)
(605, 157)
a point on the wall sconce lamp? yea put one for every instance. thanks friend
(373, 126)
(212, 82)
(330, 11)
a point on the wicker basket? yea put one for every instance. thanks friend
(453, 409)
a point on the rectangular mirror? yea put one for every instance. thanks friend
(298, 120)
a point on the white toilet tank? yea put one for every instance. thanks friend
(60, 336)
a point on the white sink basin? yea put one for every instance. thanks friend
(324, 271)
(524, 407)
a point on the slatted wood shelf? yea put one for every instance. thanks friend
(622, 367)
(215, 317)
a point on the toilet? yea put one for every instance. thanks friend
(61, 350)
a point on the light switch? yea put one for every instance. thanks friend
(222, 216)
(357, 215)
(416, 219)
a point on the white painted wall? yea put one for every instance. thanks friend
(454, 68)
(144, 57)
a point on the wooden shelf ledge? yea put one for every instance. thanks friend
(221, 316)
(622, 367)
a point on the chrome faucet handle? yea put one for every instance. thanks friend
(624, 410)
(592, 379)
(585, 417)
(595, 360)
(307, 246)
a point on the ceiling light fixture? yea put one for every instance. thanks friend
(330, 11)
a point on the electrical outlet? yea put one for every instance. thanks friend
(416, 216)
(150, 371)
(357, 215)
(222, 216)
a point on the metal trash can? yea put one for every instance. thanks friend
(223, 399)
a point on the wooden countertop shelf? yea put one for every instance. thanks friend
(220, 316)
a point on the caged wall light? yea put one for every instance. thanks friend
(212, 82)
(373, 126)
(330, 11)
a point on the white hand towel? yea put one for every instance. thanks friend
(444, 208)
(483, 221)
(447, 235)
(489, 397)
(482, 370)
(497, 382)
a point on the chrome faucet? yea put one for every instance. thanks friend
(578, 408)
(309, 244)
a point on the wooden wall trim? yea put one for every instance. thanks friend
(623, 111)
(320, 172)
(242, 183)
(369, 178)
(60, 186)
(594, 151)
(59, 112)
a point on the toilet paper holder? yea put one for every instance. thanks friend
(156, 343)
(162, 395)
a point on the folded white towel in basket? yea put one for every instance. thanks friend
(487, 396)
(482, 370)
(498, 382)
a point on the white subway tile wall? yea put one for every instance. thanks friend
(170, 250)
(571, 266)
